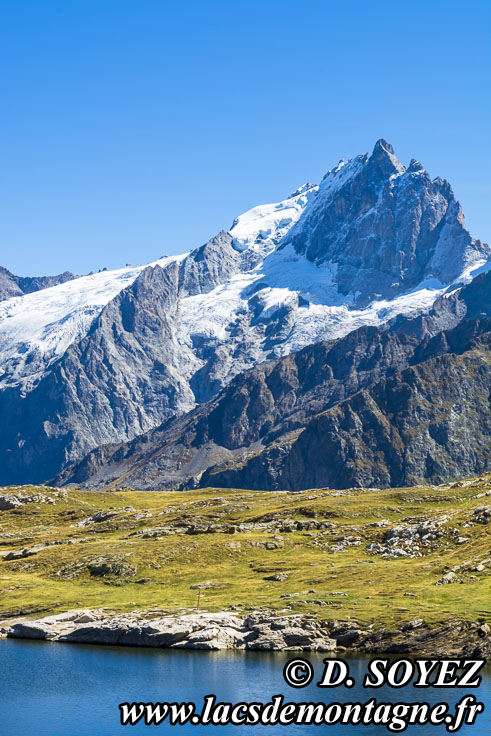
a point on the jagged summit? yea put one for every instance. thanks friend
(102, 358)
(384, 229)
(382, 145)
(383, 162)
(415, 166)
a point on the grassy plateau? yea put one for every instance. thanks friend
(125, 550)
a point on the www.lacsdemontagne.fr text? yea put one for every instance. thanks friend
(396, 717)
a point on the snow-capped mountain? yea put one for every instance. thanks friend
(102, 358)
(37, 328)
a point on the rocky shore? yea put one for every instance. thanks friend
(259, 630)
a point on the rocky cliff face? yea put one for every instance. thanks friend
(103, 359)
(385, 228)
(120, 380)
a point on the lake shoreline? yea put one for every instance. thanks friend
(261, 630)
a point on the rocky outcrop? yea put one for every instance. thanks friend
(21, 554)
(259, 630)
(207, 267)
(14, 500)
(471, 302)
(210, 631)
(411, 540)
(11, 285)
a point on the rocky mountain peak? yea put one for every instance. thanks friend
(383, 162)
(382, 229)
(415, 166)
(382, 145)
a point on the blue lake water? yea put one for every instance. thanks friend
(69, 690)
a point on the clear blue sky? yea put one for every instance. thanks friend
(133, 128)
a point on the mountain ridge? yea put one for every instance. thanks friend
(12, 285)
(149, 343)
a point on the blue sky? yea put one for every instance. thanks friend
(134, 128)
